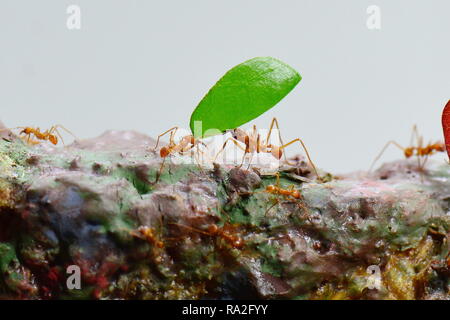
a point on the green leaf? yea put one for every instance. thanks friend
(242, 94)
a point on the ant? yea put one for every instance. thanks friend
(288, 194)
(148, 234)
(254, 144)
(53, 135)
(277, 190)
(186, 144)
(418, 150)
(224, 233)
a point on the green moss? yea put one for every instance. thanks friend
(7, 255)
(198, 262)
(142, 186)
(269, 261)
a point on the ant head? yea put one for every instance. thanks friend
(53, 139)
(26, 130)
(270, 188)
(409, 152)
(440, 147)
(164, 152)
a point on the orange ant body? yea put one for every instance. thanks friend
(276, 189)
(254, 144)
(52, 135)
(148, 234)
(419, 150)
(186, 144)
(213, 230)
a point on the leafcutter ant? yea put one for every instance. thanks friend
(253, 143)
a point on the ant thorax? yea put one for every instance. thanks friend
(251, 141)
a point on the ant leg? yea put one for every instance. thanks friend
(172, 132)
(191, 228)
(415, 134)
(250, 161)
(197, 158)
(65, 129)
(28, 140)
(306, 151)
(159, 173)
(272, 124)
(383, 150)
(278, 180)
(421, 168)
(28, 136)
(419, 163)
(243, 159)
(424, 162)
(225, 144)
(172, 137)
(276, 202)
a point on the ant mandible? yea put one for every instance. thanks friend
(52, 135)
(186, 144)
(418, 150)
(254, 144)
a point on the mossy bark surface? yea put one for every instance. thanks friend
(214, 232)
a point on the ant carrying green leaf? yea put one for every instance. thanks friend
(241, 95)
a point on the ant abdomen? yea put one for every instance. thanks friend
(53, 139)
(164, 152)
(276, 152)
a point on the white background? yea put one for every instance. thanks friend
(145, 65)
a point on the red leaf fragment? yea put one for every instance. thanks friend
(446, 126)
